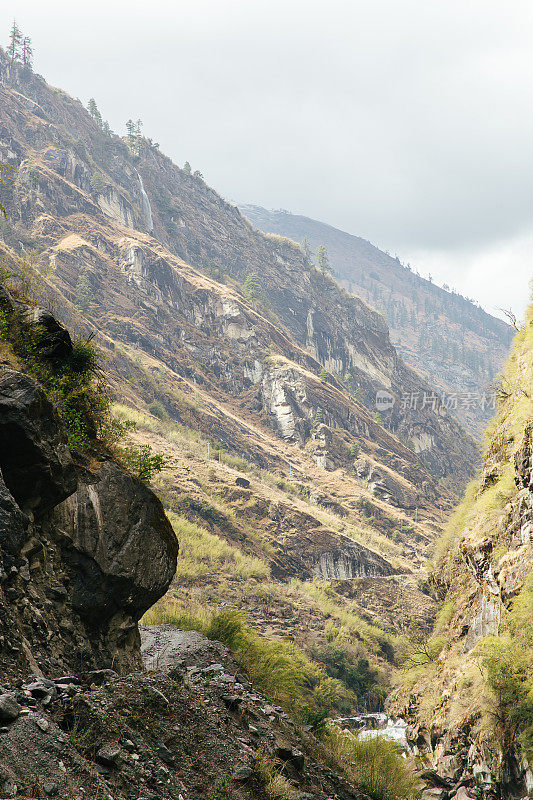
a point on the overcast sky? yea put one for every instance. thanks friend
(407, 122)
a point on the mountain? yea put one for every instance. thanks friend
(452, 342)
(85, 549)
(269, 414)
(469, 692)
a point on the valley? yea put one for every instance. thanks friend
(223, 474)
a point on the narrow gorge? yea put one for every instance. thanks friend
(247, 550)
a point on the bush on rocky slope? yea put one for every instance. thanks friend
(68, 371)
(278, 668)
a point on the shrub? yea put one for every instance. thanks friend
(376, 765)
(83, 359)
(269, 783)
(354, 450)
(158, 410)
(84, 297)
(142, 462)
(98, 183)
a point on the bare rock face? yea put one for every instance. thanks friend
(36, 463)
(122, 540)
(84, 552)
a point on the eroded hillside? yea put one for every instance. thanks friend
(447, 338)
(228, 346)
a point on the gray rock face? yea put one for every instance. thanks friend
(83, 552)
(12, 528)
(122, 545)
(352, 562)
(34, 458)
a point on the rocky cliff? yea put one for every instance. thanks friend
(447, 338)
(232, 312)
(470, 696)
(85, 548)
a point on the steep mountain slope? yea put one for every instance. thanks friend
(85, 548)
(470, 697)
(449, 340)
(242, 349)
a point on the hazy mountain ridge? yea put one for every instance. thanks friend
(448, 339)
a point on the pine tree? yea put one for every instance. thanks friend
(92, 108)
(323, 259)
(27, 53)
(308, 253)
(106, 128)
(252, 288)
(84, 296)
(15, 40)
(138, 128)
(319, 418)
(187, 168)
(130, 127)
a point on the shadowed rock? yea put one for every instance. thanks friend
(34, 458)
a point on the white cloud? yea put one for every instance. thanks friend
(408, 123)
(497, 276)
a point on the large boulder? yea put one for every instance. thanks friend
(35, 461)
(121, 546)
(84, 550)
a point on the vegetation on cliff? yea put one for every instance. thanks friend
(477, 673)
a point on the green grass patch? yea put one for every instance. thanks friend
(376, 765)
(203, 554)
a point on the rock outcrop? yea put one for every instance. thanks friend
(470, 706)
(85, 548)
